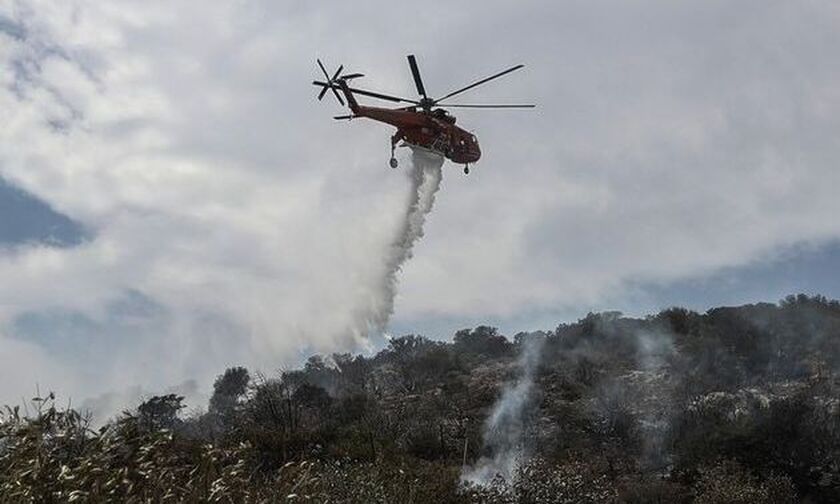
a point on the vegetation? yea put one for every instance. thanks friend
(734, 405)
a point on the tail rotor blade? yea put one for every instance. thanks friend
(330, 83)
(337, 96)
(327, 85)
(337, 72)
(335, 76)
(326, 75)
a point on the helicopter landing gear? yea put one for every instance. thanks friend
(393, 161)
(466, 169)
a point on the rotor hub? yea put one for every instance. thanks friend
(426, 103)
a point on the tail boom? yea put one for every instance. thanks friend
(351, 100)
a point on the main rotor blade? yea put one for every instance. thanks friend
(412, 62)
(478, 83)
(503, 106)
(322, 93)
(380, 96)
(352, 76)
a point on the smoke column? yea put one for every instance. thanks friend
(425, 176)
(504, 429)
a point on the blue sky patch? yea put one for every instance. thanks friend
(25, 219)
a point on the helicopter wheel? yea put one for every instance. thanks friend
(466, 170)
(393, 162)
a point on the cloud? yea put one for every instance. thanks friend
(670, 141)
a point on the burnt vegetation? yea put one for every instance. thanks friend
(734, 405)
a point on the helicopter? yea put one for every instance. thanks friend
(425, 124)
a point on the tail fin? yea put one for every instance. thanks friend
(351, 100)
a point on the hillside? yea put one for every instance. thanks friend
(738, 404)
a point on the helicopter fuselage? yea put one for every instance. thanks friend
(428, 130)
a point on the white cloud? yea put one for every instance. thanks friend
(670, 140)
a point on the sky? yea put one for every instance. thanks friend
(174, 200)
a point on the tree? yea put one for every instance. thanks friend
(353, 373)
(483, 340)
(160, 412)
(228, 389)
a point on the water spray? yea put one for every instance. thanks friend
(425, 177)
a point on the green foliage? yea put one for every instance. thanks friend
(160, 412)
(228, 389)
(734, 405)
(482, 340)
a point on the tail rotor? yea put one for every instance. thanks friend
(332, 83)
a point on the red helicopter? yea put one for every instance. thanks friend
(423, 124)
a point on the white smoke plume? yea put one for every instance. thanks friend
(425, 178)
(504, 430)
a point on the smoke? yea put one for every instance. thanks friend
(425, 178)
(655, 349)
(504, 430)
